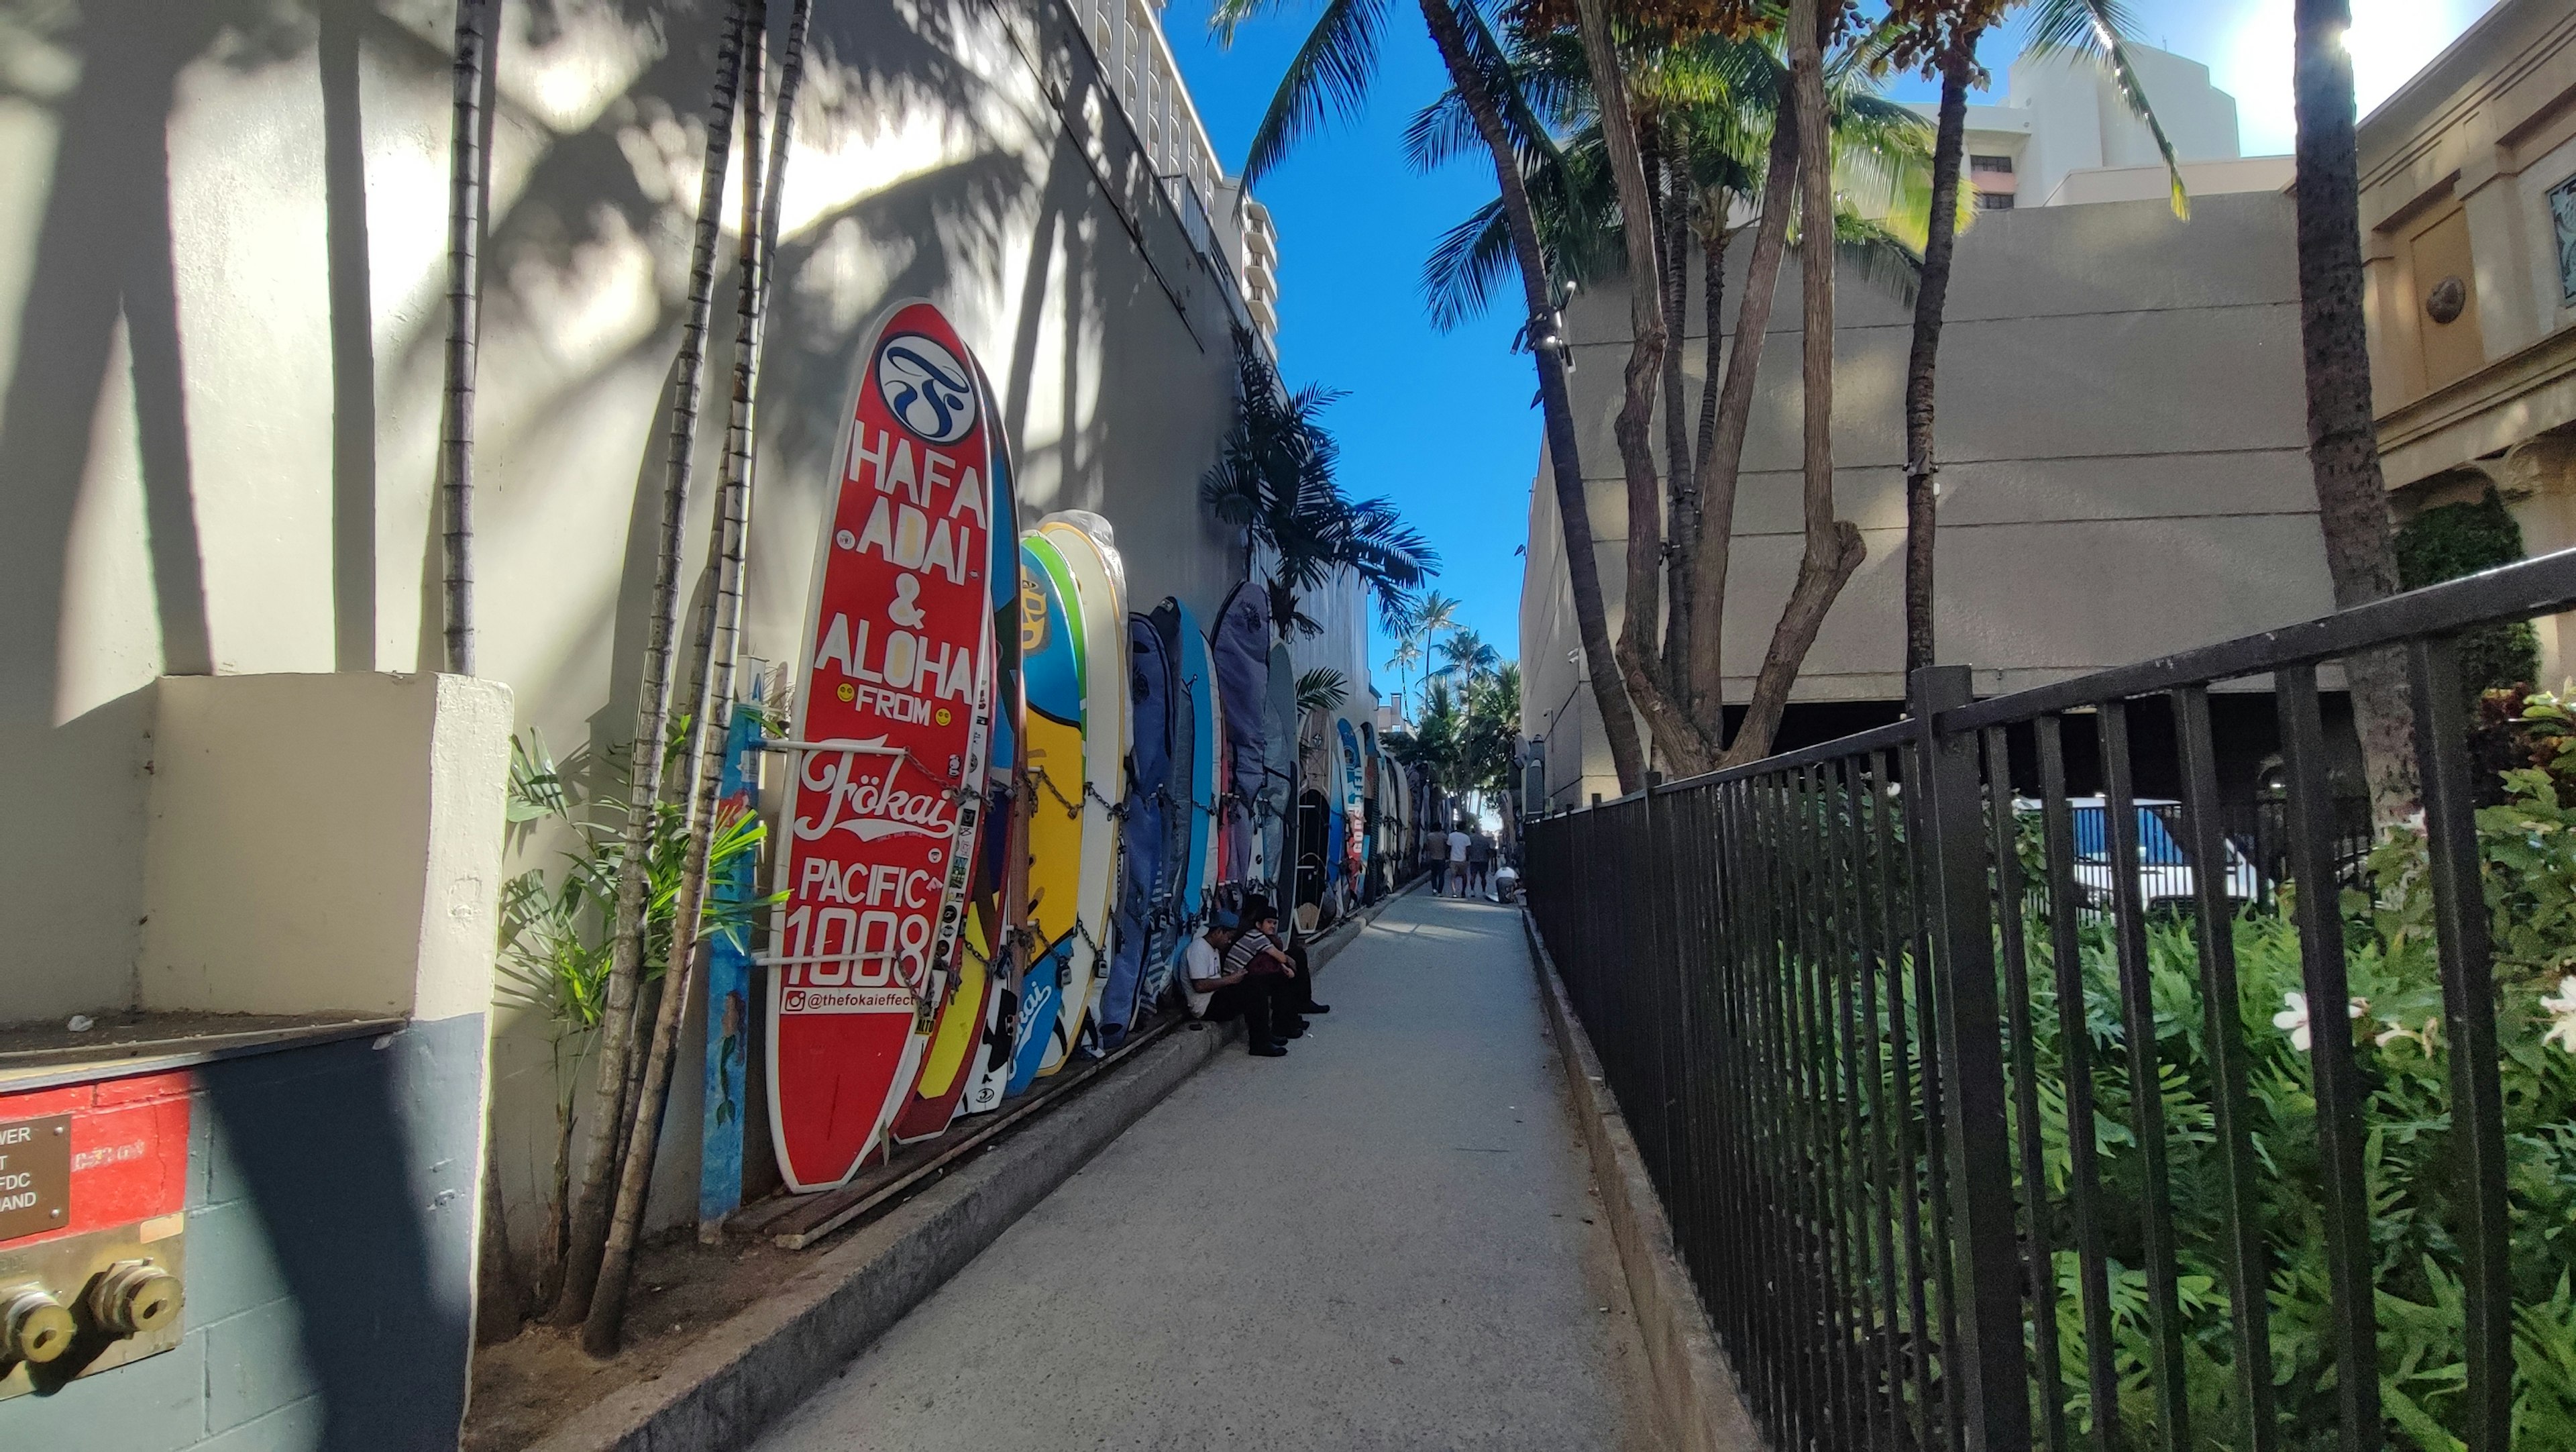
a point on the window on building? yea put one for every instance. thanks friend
(1994, 201)
(1992, 165)
(2562, 217)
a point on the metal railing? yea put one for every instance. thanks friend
(1201, 230)
(1876, 1019)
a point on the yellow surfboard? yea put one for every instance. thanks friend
(1082, 541)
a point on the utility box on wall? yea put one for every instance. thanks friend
(93, 1194)
(238, 1204)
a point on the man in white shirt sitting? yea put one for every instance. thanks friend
(1458, 841)
(1217, 994)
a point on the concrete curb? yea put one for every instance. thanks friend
(752, 1369)
(1697, 1402)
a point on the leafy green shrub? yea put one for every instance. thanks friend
(2450, 541)
(2415, 1181)
(556, 937)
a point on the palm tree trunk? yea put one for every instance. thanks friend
(500, 1293)
(1706, 709)
(718, 651)
(589, 1234)
(1565, 466)
(1950, 139)
(1680, 479)
(1833, 546)
(1721, 463)
(2343, 443)
(467, 191)
(1641, 620)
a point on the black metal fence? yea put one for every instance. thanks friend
(1881, 1025)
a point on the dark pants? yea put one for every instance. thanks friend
(1301, 989)
(1265, 1004)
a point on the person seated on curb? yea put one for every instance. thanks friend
(1218, 993)
(1261, 936)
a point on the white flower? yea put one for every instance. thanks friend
(2428, 1040)
(2562, 1015)
(2293, 1020)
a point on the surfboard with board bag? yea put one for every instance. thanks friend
(885, 790)
(1240, 648)
(1190, 787)
(1145, 888)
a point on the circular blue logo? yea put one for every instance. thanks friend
(926, 388)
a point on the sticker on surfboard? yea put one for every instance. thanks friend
(893, 723)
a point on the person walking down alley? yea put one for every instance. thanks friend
(1457, 874)
(1220, 992)
(1480, 863)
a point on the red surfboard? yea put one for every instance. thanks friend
(969, 1008)
(891, 732)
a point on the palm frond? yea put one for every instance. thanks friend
(1322, 689)
(1326, 80)
(1878, 254)
(1466, 265)
(2095, 30)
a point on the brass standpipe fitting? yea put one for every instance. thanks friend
(34, 1327)
(134, 1297)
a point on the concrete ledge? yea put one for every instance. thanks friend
(1697, 1402)
(754, 1368)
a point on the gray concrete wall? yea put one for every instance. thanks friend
(329, 1261)
(2122, 446)
(221, 259)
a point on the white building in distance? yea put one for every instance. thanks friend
(2064, 136)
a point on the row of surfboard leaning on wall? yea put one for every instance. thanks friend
(1010, 801)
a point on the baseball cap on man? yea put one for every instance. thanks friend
(1228, 919)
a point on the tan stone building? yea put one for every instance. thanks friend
(2468, 213)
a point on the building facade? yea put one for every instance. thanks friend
(2062, 136)
(2468, 214)
(222, 265)
(2123, 472)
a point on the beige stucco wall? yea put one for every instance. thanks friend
(221, 260)
(257, 904)
(2122, 450)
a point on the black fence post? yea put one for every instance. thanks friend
(1990, 1362)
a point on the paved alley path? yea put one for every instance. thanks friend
(1379, 1241)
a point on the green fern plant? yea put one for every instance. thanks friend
(555, 925)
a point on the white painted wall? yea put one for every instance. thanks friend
(221, 260)
(324, 843)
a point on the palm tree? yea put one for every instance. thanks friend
(2343, 443)
(716, 653)
(1466, 658)
(1408, 654)
(1710, 115)
(1274, 480)
(468, 186)
(1330, 74)
(1432, 614)
(1944, 40)
(611, 1115)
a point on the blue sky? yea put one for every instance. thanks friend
(1442, 422)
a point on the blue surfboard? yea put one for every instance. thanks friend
(1141, 833)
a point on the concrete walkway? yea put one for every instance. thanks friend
(1383, 1240)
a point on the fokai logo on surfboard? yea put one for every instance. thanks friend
(925, 387)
